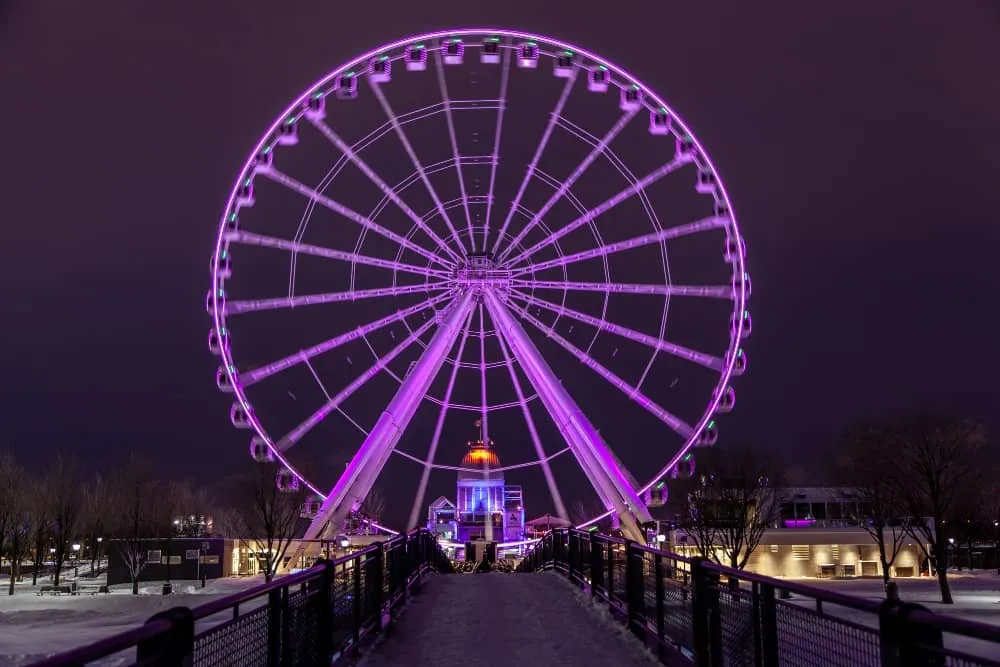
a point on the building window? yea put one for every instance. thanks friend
(819, 511)
(800, 552)
(154, 556)
(833, 511)
(835, 552)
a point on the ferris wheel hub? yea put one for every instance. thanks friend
(480, 272)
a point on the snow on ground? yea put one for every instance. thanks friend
(504, 619)
(976, 595)
(34, 626)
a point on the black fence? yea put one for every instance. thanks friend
(307, 618)
(691, 611)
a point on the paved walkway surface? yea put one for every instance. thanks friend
(504, 619)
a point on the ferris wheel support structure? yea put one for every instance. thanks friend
(582, 438)
(371, 457)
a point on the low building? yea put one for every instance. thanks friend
(820, 532)
(188, 558)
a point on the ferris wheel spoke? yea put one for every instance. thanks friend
(354, 216)
(425, 474)
(594, 153)
(369, 460)
(676, 424)
(260, 240)
(256, 305)
(504, 76)
(599, 210)
(703, 225)
(707, 291)
(550, 479)
(563, 98)
(484, 411)
(401, 135)
(263, 372)
(679, 351)
(585, 443)
(443, 85)
(300, 431)
(389, 192)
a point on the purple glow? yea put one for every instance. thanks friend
(580, 434)
(799, 523)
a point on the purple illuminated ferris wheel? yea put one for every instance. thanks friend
(482, 223)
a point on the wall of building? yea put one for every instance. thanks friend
(184, 562)
(809, 552)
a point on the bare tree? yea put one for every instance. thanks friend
(41, 525)
(271, 517)
(65, 509)
(95, 522)
(939, 458)
(374, 505)
(10, 491)
(19, 528)
(872, 472)
(136, 496)
(733, 502)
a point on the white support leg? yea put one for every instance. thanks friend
(366, 465)
(582, 438)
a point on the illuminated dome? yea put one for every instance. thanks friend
(480, 455)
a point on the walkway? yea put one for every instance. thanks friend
(504, 619)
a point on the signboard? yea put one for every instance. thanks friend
(209, 560)
(174, 560)
(191, 554)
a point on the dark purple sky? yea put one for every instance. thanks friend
(860, 143)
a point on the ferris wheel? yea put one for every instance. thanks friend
(492, 224)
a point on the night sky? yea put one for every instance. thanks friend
(860, 143)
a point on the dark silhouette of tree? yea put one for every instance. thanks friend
(374, 505)
(871, 471)
(136, 496)
(732, 502)
(97, 510)
(19, 529)
(10, 490)
(271, 518)
(940, 462)
(41, 528)
(65, 508)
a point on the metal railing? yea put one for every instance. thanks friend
(307, 618)
(691, 611)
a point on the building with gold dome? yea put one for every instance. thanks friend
(486, 508)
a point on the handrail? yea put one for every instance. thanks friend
(682, 607)
(339, 615)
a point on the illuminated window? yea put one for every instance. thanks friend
(800, 552)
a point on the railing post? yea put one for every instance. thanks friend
(661, 623)
(274, 613)
(324, 618)
(765, 625)
(596, 565)
(174, 648)
(905, 643)
(574, 553)
(610, 563)
(286, 629)
(635, 599)
(705, 610)
(356, 606)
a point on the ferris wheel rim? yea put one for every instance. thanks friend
(739, 296)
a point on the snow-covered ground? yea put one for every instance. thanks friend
(34, 626)
(533, 612)
(976, 595)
